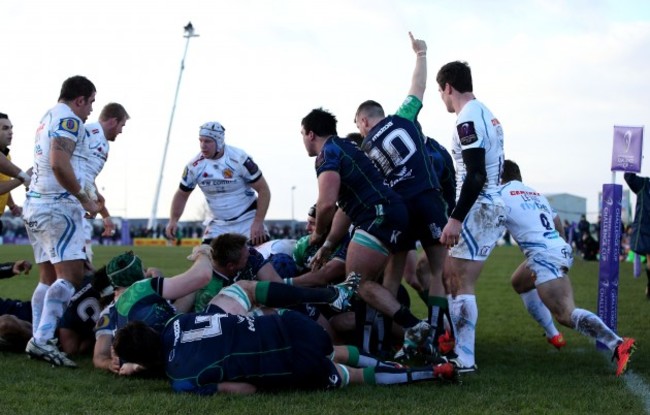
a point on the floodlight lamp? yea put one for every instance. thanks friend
(189, 30)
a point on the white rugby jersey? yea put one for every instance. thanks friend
(530, 218)
(225, 182)
(95, 150)
(60, 121)
(476, 127)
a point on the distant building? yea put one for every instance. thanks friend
(569, 207)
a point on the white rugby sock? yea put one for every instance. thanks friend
(56, 301)
(539, 312)
(464, 314)
(38, 298)
(587, 323)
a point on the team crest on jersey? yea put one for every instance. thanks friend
(103, 322)
(186, 173)
(251, 166)
(227, 173)
(467, 133)
(70, 125)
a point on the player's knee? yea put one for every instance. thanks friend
(61, 289)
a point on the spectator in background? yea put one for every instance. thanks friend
(583, 226)
(590, 247)
(640, 233)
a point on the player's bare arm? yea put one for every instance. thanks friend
(178, 206)
(258, 235)
(419, 80)
(61, 150)
(329, 183)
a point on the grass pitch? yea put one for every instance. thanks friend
(519, 372)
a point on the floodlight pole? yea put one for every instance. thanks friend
(189, 34)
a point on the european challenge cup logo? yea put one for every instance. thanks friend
(628, 140)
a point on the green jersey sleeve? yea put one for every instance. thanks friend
(410, 108)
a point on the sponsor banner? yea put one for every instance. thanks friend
(628, 149)
(165, 242)
(149, 242)
(190, 241)
(610, 245)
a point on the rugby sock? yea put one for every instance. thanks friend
(38, 298)
(464, 314)
(357, 358)
(275, 294)
(436, 305)
(540, 313)
(392, 376)
(55, 303)
(382, 326)
(587, 323)
(345, 375)
(369, 316)
(405, 318)
(361, 329)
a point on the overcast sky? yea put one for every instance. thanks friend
(558, 75)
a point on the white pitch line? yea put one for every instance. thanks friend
(638, 387)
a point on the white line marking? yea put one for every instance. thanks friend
(638, 387)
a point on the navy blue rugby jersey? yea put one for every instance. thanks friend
(362, 185)
(397, 147)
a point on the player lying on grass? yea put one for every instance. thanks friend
(148, 300)
(228, 350)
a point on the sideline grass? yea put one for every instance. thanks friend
(519, 372)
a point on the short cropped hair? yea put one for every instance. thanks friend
(457, 74)
(370, 108)
(3, 116)
(510, 172)
(321, 122)
(113, 110)
(226, 248)
(75, 87)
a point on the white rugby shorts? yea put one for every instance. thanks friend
(241, 225)
(550, 264)
(55, 229)
(482, 228)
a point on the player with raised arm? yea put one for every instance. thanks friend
(397, 147)
(351, 190)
